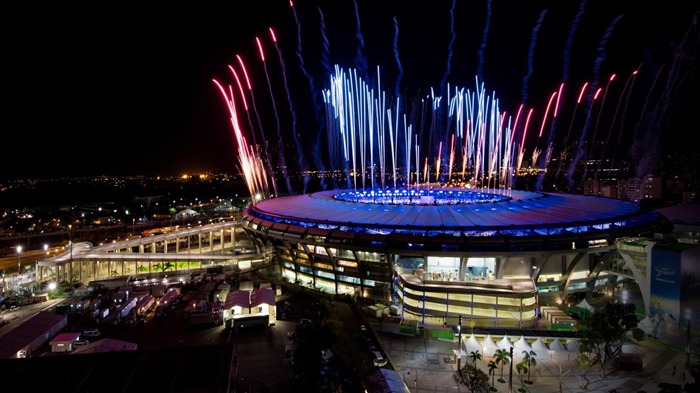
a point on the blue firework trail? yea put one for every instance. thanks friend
(293, 113)
(601, 51)
(424, 120)
(482, 49)
(579, 148)
(682, 70)
(639, 146)
(531, 55)
(360, 59)
(448, 64)
(625, 95)
(282, 160)
(526, 80)
(320, 119)
(300, 151)
(595, 129)
(565, 78)
(397, 89)
(570, 40)
(596, 77)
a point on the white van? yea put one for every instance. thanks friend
(379, 359)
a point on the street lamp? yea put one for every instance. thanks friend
(459, 348)
(19, 265)
(70, 240)
(46, 256)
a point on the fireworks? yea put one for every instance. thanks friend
(360, 135)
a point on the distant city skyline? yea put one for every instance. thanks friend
(135, 96)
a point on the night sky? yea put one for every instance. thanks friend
(127, 90)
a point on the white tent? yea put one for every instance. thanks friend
(572, 346)
(584, 304)
(521, 346)
(557, 350)
(471, 344)
(541, 349)
(488, 346)
(504, 343)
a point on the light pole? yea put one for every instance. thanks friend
(46, 256)
(510, 374)
(19, 265)
(70, 262)
(459, 340)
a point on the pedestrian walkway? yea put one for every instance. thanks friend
(428, 365)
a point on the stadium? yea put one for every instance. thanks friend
(424, 200)
(493, 259)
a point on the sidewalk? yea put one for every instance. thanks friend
(427, 365)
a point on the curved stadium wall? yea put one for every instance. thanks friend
(493, 261)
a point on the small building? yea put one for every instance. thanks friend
(64, 342)
(21, 341)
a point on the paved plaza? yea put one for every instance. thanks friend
(428, 365)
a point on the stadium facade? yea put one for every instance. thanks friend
(491, 258)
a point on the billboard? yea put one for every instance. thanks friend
(675, 280)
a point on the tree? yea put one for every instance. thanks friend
(562, 376)
(309, 342)
(502, 358)
(521, 368)
(530, 361)
(474, 379)
(585, 361)
(475, 355)
(492, 373)
(606, 330)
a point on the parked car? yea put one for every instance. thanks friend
(379, 359)
(91, 333)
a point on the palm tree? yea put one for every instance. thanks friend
(530, 362)
(475, 355)
(502, 358)
(521, 368)
(492, 373)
